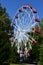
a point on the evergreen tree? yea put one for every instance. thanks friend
(14, 58)
(5, 44)
(41, 44)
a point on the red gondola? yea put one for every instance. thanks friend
(28, 51)
(30, 6)
(37, 19)
(24, 7)
(34, 29)
(16, 16)
(21, 52)
(34, 41)
(38, 30)
(34, 11)
(19, 10)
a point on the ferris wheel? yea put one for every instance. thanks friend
(26, 20)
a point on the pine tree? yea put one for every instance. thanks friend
(14, 58)
(41, 44)
(5, 44)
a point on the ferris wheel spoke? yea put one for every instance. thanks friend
(30, 18)
(25, 23)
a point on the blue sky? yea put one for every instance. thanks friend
(13, 5)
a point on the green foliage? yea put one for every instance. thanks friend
(5, 44)
(34, 55)
(14, 55)
(4, 47)
(41, 44)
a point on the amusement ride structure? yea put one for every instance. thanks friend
(25, 22)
